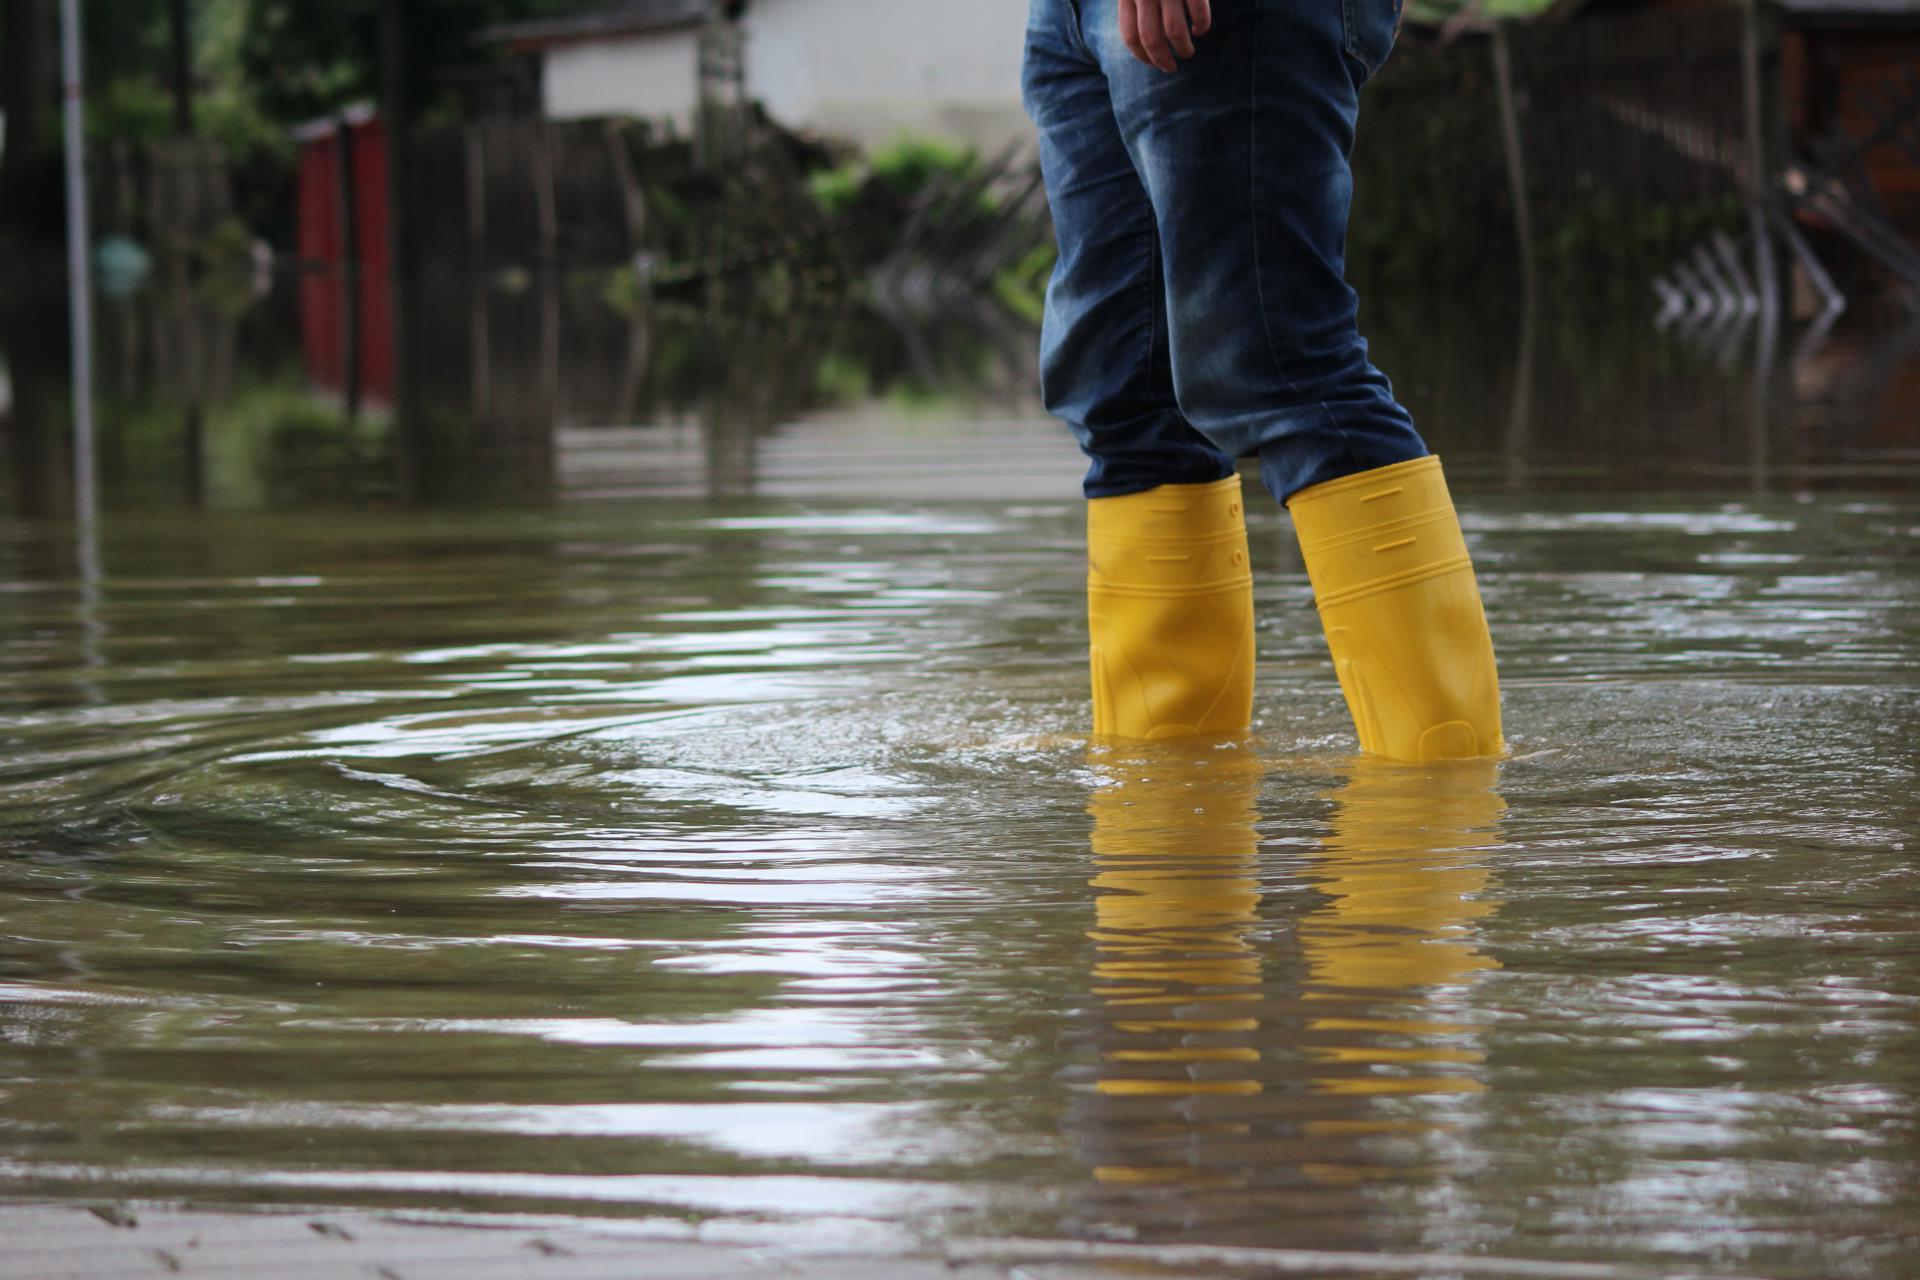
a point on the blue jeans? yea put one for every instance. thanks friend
(1200, 312)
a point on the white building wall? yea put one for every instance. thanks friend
(871, 69)
(654, 77)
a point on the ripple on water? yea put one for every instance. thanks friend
(752, 865)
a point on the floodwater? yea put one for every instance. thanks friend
(698, 825)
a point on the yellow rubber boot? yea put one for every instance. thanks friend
(1170, 609)
(1401, 611)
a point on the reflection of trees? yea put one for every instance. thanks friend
(734, 378)
(483, 370)
(207, 396)
(520, 386)
(1251, 1097)
(200, 398)
(167, 362)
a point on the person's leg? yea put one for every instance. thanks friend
(1243, 151)
(1105, 368)
(1169, 592)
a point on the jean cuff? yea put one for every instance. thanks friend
(1288, 466)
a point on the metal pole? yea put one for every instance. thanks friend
(80, 309)
(79, 283)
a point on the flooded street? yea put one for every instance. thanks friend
(684, 811)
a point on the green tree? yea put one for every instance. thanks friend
(255, 68)
(305, 60)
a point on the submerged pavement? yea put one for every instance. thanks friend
(106, 1242)
(109, 1240)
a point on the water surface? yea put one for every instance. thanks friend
(729, 850)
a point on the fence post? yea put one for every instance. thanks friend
(1516, 157)
(546, 202)
(480, 356)
(476, 184)
(180, 51)
(349, 266)
(633, 200)
(1520, 415)
(1759, 166)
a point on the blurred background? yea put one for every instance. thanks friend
(354, 253)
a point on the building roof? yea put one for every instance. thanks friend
(1475, 14)
(625, 18)
(1878, 8)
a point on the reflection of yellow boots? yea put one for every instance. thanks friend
(1170, 609)
(1173, 842)
(1402, 613)
(1403, 872)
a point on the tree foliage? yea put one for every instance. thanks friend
(258, 67)
(307, 59)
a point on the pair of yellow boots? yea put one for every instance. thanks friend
(1170, 603)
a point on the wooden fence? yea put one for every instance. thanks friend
(537, 194)
(1644, 109)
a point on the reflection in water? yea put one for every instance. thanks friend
(659, 859)
(528, 389)
(1177, 981)
(1173, 842)
(1239, 1081)
(671, 857)
(513, 390)
(1403, 870)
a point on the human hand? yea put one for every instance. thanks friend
(1156, 30)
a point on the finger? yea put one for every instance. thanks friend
(1153, 37)
(1200, 12)
(1173, 17)
(1130, 32)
